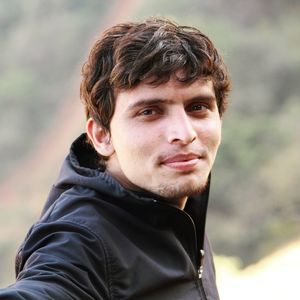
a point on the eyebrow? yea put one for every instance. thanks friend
(156, 101)
(147, 102)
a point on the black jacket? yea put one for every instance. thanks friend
(96, 240)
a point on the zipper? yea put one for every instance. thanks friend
(200, 269)
(199, 259)
(199, 262)
(201, 290)
(200, 273)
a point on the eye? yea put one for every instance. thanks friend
(197, 107)
(151, 111)
(147, 112)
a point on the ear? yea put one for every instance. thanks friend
(100, 138)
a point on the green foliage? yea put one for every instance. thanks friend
(41, 47)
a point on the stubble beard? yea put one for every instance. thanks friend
(178, 191)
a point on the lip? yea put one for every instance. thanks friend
(182, 162)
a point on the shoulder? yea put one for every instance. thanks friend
(80, 206)
(74, 219)
(80, 212)
(64, 252)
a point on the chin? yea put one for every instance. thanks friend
(180, 190)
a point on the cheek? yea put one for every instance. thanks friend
(132, 146)
(212, 135)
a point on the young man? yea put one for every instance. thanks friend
(126, 218)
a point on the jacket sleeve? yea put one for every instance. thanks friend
(61, 261)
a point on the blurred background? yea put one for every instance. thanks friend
(254, 212)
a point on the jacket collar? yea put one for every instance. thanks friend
(81, 168)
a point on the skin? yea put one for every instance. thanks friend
(162, 139)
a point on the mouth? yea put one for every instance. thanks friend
(182, 162)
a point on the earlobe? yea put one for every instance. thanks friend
(100, 138)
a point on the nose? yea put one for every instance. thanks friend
(181, 129)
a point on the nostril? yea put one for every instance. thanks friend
(183, 140)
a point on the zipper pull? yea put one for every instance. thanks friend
(200, 270)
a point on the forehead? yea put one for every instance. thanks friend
(171, 90)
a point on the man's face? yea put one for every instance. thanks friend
(165, 138)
